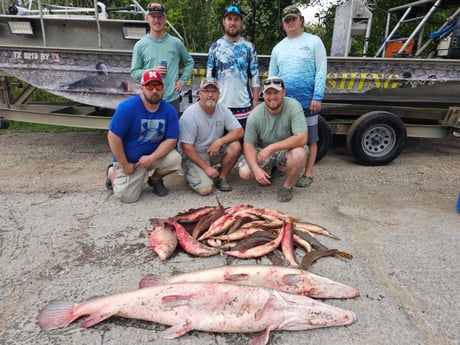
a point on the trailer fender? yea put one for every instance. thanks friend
(324, 138)
(376, 138)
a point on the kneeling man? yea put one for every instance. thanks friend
(275, 137)
(208, 153)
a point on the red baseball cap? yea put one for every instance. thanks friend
(151, 75)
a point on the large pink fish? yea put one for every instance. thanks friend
(163, 240)
(287, 279)
(210, 307)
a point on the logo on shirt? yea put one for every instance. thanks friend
(152, 130)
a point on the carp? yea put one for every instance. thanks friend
(209, 307)
(163, 240)
(189, 244)
(286, 279)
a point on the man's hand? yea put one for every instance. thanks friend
(214, 148)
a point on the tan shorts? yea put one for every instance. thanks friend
(195, 176)
(128, 188)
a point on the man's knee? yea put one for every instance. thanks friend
(127, 198)
(204, 191)
(245, 173)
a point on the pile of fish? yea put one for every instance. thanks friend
(229, 299)
(242, 231)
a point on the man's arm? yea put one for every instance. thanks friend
(297, 140)
(118, 150)
(162, 150)
(228, 138)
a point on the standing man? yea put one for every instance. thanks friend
(300, 59)
(142, 137)
(232, 60)
(275, 136)
(203, 144)
(162, 52)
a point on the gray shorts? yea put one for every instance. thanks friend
(128, 188)
(275, 159)
(195, 176)
(312, 124)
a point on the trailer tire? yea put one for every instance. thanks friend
(324, 138)
(376, 138)
(4, 123)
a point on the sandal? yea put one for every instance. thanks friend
(108, 182)
(304, 181)
(284, 194)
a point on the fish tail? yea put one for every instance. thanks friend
(56, 314)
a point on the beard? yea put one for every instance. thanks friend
(233, 33)
(210, 103)
(154, 99)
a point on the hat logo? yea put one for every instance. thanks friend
(153, 74)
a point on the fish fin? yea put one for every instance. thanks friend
(291, 279)
(172, 301)
(97, 317)
(261, 312)
(175, 331)
(236, 277)
(151, 280)
(56, 314)
(261, 339)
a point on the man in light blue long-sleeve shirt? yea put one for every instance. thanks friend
(300, 60)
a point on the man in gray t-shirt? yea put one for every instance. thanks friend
(275, 136)
(209, 135)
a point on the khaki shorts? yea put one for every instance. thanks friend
(195, 176)
(128, 188)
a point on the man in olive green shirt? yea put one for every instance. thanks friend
(275, 136)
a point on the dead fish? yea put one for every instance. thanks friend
(219, 226)
(163, 241)
(193, 214)
(287, 245)
(205, 222)
(258, 251)
(318, 245)
(191, 245)
(317, 229)
(256, 239)
(300, 242)
(314, 255)
(238, 234)
(186, 307)
(287, 279)
(239, 222)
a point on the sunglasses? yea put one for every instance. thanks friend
(157, 87)
(232, 9)
(274, 81)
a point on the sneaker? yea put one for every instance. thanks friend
(158, 187)
(304, 181)
(108, 182)
(223, 185)
(284, 194)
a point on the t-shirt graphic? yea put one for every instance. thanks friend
(152, 130)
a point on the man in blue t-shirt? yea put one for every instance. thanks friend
(142, 136)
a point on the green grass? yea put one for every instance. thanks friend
(26, 127)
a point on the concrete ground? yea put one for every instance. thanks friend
(64, 237)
